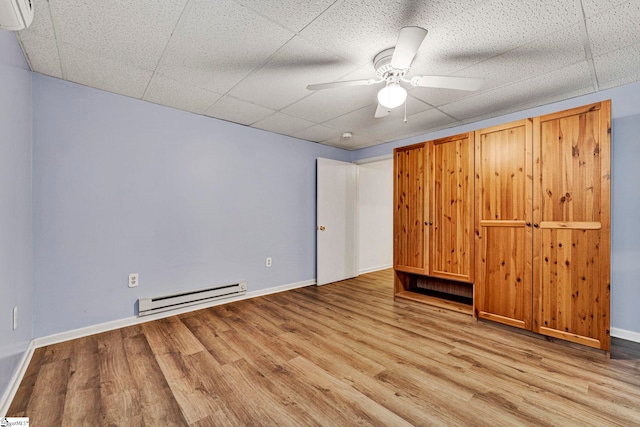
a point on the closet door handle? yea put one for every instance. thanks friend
(536, 225)
(528, 224)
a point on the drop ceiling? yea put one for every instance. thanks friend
(249, 61)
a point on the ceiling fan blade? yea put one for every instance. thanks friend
(409, 41)
(445, 82)
(345, 83)
(381, 111)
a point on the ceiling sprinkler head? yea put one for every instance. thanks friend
(347, 136)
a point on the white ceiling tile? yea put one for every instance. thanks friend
(356, 142)
(615, 28)
(358, 30)
(618, 67)
(318, 133)
(42, 24)
(166, 91)
(490, 29)
(355, 120)
(327, 104)
(288, 13)
(237, 111)
(283, 124)
(42, 54)
(540, 56)
(543, 89)
(218, 43)
(134, 32)
(592, 7)
(102, 73)
(284, 79)
(365, 117)
(436, 97)
(394, 128)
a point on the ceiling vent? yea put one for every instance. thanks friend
(15, 14)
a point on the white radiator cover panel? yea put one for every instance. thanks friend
(184, 299)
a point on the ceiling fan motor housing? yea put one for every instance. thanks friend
(384, 70)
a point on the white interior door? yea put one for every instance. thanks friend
(336, 213)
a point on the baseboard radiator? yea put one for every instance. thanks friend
(163, 303)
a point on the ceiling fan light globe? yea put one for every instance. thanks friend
(392, 96)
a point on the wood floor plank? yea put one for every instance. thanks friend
(157, 403)
(357, 408)
(82, 405)
(46, 404)
(346, 353)
(23, 395)
(201, 328)
(120, 398)
(193, 398)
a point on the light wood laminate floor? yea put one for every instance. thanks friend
(343, 354)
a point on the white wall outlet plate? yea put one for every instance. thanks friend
(133, 280)
(268, 262)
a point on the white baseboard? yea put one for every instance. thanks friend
(625, 335)
(134, 320)
(14, 382)
(372, 269)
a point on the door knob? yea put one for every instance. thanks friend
(321, 227)
(528, 224)
(536, 225)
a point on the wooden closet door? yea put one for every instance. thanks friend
(408, 219)
(451, 207)
(503, 288)
(572, 222)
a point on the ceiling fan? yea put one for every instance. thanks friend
(393, 64)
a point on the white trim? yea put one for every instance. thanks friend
(16, 379)
(372, 269)
(134, 320)
(625, 334)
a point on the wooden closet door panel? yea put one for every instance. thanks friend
(568, 300)
(503, 289)
(504, 296)
(409, 228)
(451, 208)
(571, 238)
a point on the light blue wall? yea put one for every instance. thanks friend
(16, 248)
(625, 232)
(124, 186)
(625, 193)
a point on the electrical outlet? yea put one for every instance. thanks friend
(133, 280)
(268, 262)
(15, 317)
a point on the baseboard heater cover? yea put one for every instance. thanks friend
(163, 303)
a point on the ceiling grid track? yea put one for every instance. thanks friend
(587, 49)
(185, 9)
